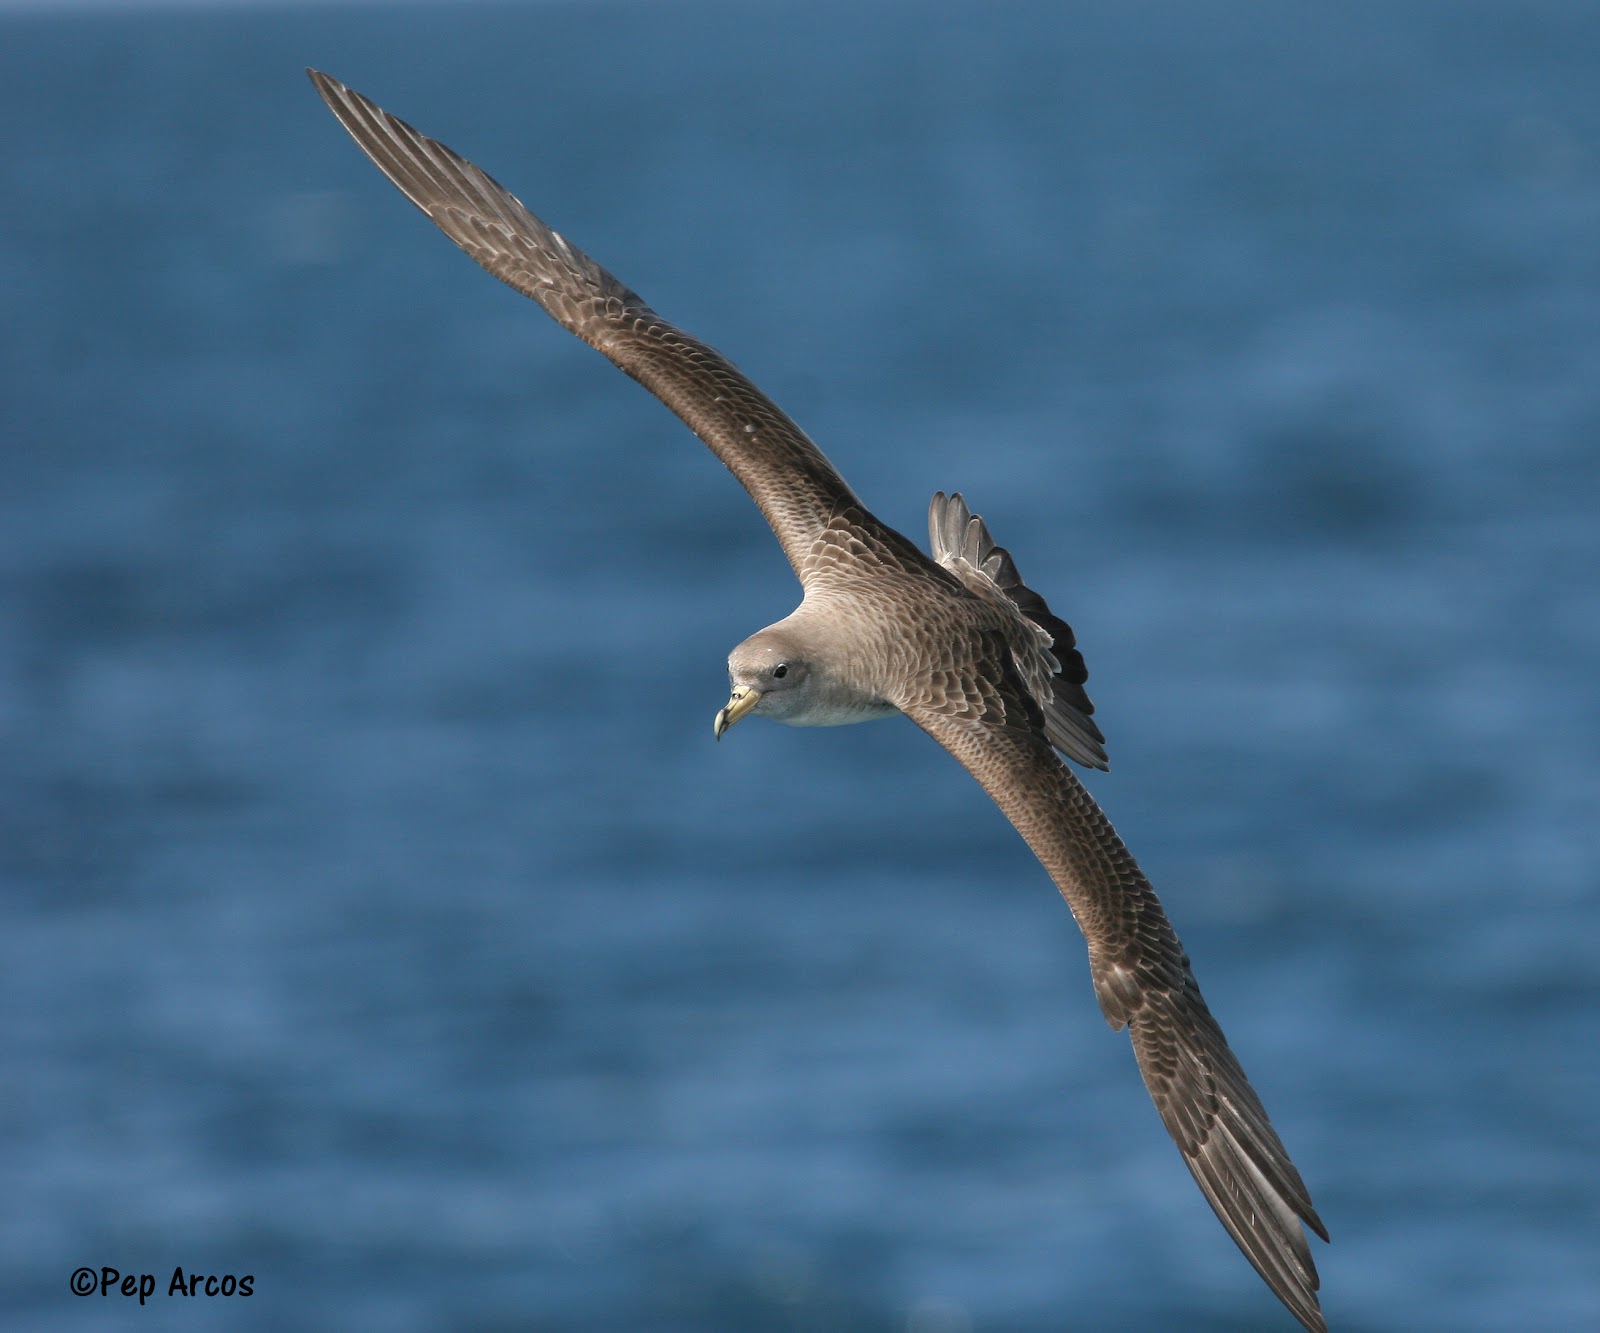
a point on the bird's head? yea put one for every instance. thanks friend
(768, 673)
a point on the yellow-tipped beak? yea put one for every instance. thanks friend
(740, 702)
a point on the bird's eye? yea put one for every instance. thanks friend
(780, 671)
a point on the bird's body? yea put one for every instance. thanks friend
(955, 641)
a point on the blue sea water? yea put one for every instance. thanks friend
(377, 916)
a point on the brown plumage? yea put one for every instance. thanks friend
(957, 643)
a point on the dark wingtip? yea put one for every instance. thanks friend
(329, 89)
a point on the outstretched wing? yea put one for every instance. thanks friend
(786, 474)
(1140, 971)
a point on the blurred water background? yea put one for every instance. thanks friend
(376, 914)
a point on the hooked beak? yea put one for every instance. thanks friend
(740, 702)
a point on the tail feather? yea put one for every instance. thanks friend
(961, 541)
